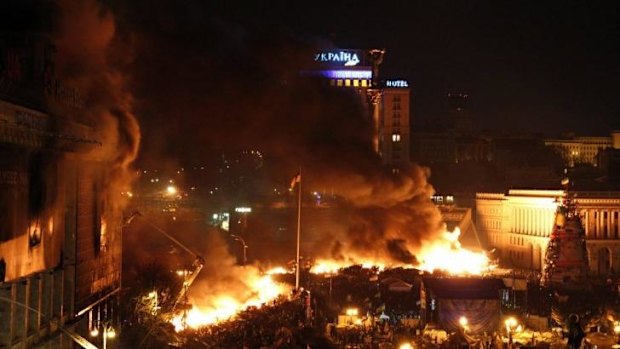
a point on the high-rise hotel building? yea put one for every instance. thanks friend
(387, 101)
(395, 128)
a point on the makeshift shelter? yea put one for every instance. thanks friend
(445, 301)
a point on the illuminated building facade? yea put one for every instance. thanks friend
(60, 237)
(518, 225)
(577, 150)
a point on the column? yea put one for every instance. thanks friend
(585, 222)
(609, 225)
(596, 221)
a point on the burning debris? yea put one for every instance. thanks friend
(213, 306)
(445, 254)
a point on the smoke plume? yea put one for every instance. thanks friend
(205, 81)
(92, 57)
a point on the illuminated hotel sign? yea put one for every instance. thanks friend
(396, 83)
(344, 58)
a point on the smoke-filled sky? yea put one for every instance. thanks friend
(528, 65)
(202, 76)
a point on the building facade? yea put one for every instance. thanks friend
(395, 127)
(518, 224)
(577, 150)
(60, 236)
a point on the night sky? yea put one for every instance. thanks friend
(532, 66)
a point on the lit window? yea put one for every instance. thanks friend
(356, 82)
(395, 137)
(347, 82)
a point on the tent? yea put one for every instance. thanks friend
(446, 300)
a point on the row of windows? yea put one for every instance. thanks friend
(516, 240)
(493, 224)
(350, 82)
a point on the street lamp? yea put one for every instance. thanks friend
(245, 246)
(617, 331)
(463, 322)
(108, 333)
(510, 324)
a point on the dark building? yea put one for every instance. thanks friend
(60, 242)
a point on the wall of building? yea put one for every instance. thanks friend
(580, 149)
(56, 257)
(395, 127)
(519, 223)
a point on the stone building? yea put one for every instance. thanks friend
(518, 224)
(60, 234)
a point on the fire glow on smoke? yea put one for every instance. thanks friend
(222, 307)
(444, 254)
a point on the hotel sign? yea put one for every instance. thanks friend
(345, 58)
(396, 83)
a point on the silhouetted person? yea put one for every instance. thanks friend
(575, 332)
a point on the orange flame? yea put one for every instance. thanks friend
(328, 266)
(222, 307)
(445, 254)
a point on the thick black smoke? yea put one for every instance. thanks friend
(205, 82)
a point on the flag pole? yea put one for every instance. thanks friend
(298, 231)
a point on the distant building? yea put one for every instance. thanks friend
(518, 225)
(459, 114)
(575, 150)
(608, 161)
(433, 148)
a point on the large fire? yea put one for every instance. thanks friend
(448, 255)
(444, 254)
(221, 307)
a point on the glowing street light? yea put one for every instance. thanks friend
(510, 323)
(352, 312)
(171, 190)
(405, 346)
(617, 331)
(94, 332)
(245, 247)
(463, 322)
